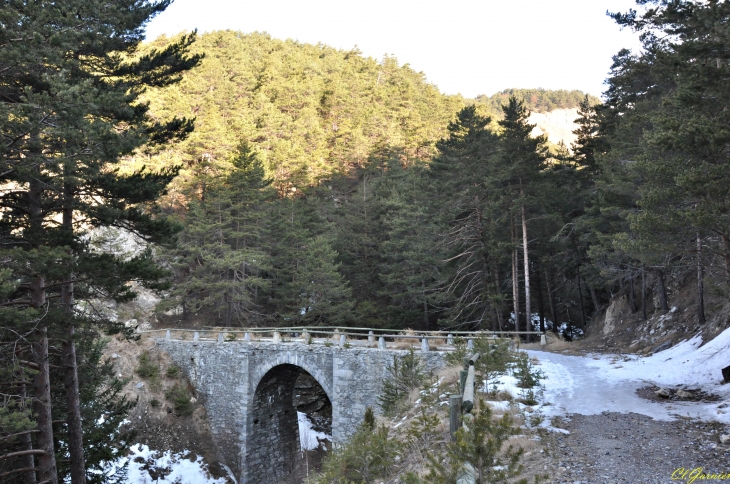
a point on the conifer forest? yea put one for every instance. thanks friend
(276, 183)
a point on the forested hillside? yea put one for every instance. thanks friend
(309, 164)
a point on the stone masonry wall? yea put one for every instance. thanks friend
(226, 377)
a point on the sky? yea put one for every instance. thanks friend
(462, 46)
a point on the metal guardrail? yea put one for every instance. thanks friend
(340, 336)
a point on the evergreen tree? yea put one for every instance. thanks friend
(71, 89)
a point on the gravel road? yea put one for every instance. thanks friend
(633, 448)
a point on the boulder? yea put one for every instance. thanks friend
(664, 346)
(684, 394)
(725, 439)
(663, 393)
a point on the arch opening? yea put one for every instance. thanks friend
(289, 426)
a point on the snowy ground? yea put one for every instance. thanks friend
(148, 466)
(607, 383)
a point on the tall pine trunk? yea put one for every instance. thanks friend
(498, 310)
(42, 405)
(643, 294)
(662, 290)
(42, 380)
(551, 301)
(528, 313)
(70, 366)
(27, 443)
(515, 286)
(700, 283)
(580, 298)
(540, 301)
(632, 301)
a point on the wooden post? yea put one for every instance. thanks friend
(468, 392)
(454, 415)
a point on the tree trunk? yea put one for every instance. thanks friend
(726, 245)
(700, 283)
(71, 375)
(528, 313)
(632, 301)
(42, 380)
(26, 442)
(594, 297)
(540, 301)
(580, 297)
(643, 294)
(42, 406)
(662, 291)
(551, 301)
(425, 305)
(515, 286)
(498, 310)
(73, 400)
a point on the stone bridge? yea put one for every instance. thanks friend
(248, 390)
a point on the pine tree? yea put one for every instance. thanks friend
(70, 86)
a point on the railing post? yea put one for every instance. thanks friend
(424, 346)
(220, 337)
(371, 337)
(247, 337)
(449, 339)
(277, 337)
(470, 344)
(381, 343)
(543, 340)
(196, 336)
(454, 415)
(167, 335)
(342, 341)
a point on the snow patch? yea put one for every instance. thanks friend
(309, 439)
(169, 467)
(593, 384)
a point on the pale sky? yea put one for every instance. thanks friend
(463, 46)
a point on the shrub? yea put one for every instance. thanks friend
(406, 374)
(479, 443)
(369, 455)
(525, 372)
(147, 369)
(180, 398)
(172, 371)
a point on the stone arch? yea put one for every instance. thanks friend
(273, 446)
(320, 369)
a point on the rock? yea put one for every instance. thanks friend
(725, 439)
(684, 394)
(663, 393)
(139, 385)
(130, 323)
(664, 346)
(114, 356)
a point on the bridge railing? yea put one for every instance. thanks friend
(346, 337)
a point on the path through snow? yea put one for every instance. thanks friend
(590, 385)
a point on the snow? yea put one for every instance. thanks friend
(309, 439)
(169, 467)
(593, 384)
